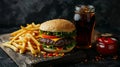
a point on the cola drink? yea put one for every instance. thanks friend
(84, 20)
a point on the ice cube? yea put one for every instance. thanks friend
(77, 17)
(77, 8)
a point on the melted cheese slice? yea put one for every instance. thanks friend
(55, 39)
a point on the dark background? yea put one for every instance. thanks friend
(14, 13)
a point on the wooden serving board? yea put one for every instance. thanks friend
(27, 60)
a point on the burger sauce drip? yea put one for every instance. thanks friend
(84, 21)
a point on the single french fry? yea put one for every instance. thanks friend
(33, 24)
(27, 24)
(10, 46)
(17, 36)
(17, 41)
(22, 27)
(22, 50)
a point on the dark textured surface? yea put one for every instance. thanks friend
(14, 13)
(75, 58)
(5, 61)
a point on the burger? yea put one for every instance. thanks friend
(57, 35)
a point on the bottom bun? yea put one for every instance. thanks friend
(59, 51)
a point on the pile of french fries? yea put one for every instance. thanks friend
(25, 40)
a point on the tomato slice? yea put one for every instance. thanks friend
(48, 36)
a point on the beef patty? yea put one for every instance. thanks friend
(60, 42)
